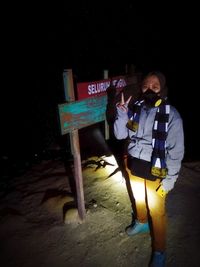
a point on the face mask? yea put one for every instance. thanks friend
(151, 98)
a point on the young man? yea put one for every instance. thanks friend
(154, 131)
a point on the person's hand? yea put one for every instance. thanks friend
(123, 105)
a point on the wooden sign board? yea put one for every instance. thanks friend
(79, 114)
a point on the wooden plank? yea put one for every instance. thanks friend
(79, 114)
(75, 147)
(107, 129)
(78, 174)
(68, 85)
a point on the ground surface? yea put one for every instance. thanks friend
(40, 227)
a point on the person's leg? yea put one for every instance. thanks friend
(140, 224)
(156, 205)
(138, 189)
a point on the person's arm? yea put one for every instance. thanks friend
(175, 152)
(120, 129)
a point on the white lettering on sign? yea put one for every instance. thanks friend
(118, 83)
(96, 88)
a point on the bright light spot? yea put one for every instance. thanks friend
(117, 177)
(139, 193)
(139, 190)
(151, 199)
(119, 181)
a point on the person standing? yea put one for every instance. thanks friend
(155, 149)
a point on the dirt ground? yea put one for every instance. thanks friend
(40, 226)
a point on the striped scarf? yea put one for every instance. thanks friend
(159, 135)
(133, 121)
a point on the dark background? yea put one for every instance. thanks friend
(40, 41)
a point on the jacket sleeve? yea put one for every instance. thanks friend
(175, 152)
(120, 129)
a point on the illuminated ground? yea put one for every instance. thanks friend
(34, 232)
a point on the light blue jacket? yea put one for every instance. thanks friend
(140, 145)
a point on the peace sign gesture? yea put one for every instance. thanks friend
(123, 105)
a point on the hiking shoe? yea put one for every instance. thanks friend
(158, 259)
(137, 228)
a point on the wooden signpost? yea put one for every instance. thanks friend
(74, 141)
(80, 114)
(75, 115)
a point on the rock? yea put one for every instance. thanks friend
(72, 216)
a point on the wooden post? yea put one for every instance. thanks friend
(69, 94)
(107, 133)
(75, 147)
(68, 85)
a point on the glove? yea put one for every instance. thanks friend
(168, 183)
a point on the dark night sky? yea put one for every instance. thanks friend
(43, 40)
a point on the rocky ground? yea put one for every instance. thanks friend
(40, 224)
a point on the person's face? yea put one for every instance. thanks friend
(151, 82)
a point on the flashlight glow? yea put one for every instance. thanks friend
(139, 190)
(118, 177)
(139, 193)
